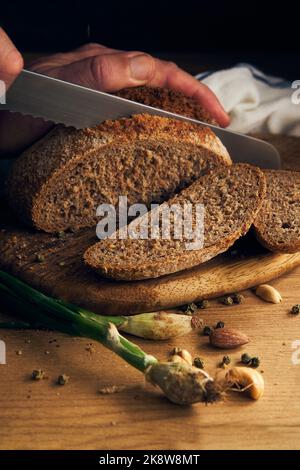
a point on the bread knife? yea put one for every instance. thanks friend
(74, 105)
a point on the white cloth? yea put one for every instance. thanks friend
(256, 102)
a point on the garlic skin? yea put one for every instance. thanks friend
(268, 293)
(182, 356)
(247, 380)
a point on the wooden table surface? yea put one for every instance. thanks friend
(44, 415)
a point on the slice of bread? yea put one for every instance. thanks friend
(168, 100)
(58, 183)
(232, 197)
(277, 225)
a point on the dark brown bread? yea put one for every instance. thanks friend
(277, 225)
(232, 197)
(58, 183)
(168, 100)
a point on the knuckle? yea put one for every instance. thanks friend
(150, 66)
(101, 69)
(172, 66)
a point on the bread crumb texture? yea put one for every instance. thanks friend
(232, 197)
(58, 183)
(277, 225)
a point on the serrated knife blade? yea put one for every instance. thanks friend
(74, 105)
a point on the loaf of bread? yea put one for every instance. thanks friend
(277, 225)
(168, 100)
(58, 183)
(231, 195)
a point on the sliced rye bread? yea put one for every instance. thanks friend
(277, 225)
(58, 183)
(232, 197)
(169, 100)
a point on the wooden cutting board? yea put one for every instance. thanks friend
(62, 273)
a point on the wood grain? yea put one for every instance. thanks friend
(43, 415)
(62, 274)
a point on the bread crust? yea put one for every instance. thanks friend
(169, 100)
(49, 159)
(274, 214)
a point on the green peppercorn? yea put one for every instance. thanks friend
(220, 324)
(38, 374)
(237, 298)
(255, 362)
(203, 304)
(63, 379)
(61, 234)
(246, 358)
(295, 309)
(226, 360)
(226, 300)
(207, 330)
(198, 362)
(189, 309)
(40, 258)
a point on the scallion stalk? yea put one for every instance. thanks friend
(181, 383)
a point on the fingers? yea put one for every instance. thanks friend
(11, 61)
(96, 66)
(168, 75)
(109, 72)
(42, 64)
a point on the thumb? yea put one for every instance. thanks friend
(109, 72)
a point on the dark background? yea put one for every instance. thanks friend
(197, 34)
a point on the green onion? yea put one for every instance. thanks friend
(182, 384)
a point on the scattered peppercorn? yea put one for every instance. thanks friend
(202, 304)
(220, 324)
(207, 330)
(226, 300)
(255, 362)
(198, 362)
(246, 358)
(63, 379)
(38, 374)
(61, 234)
(189, 309)
(226, 360)
(40, 258)
(295, 309)
(237, 298)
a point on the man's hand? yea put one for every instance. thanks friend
(109, 70)
(11, 62)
